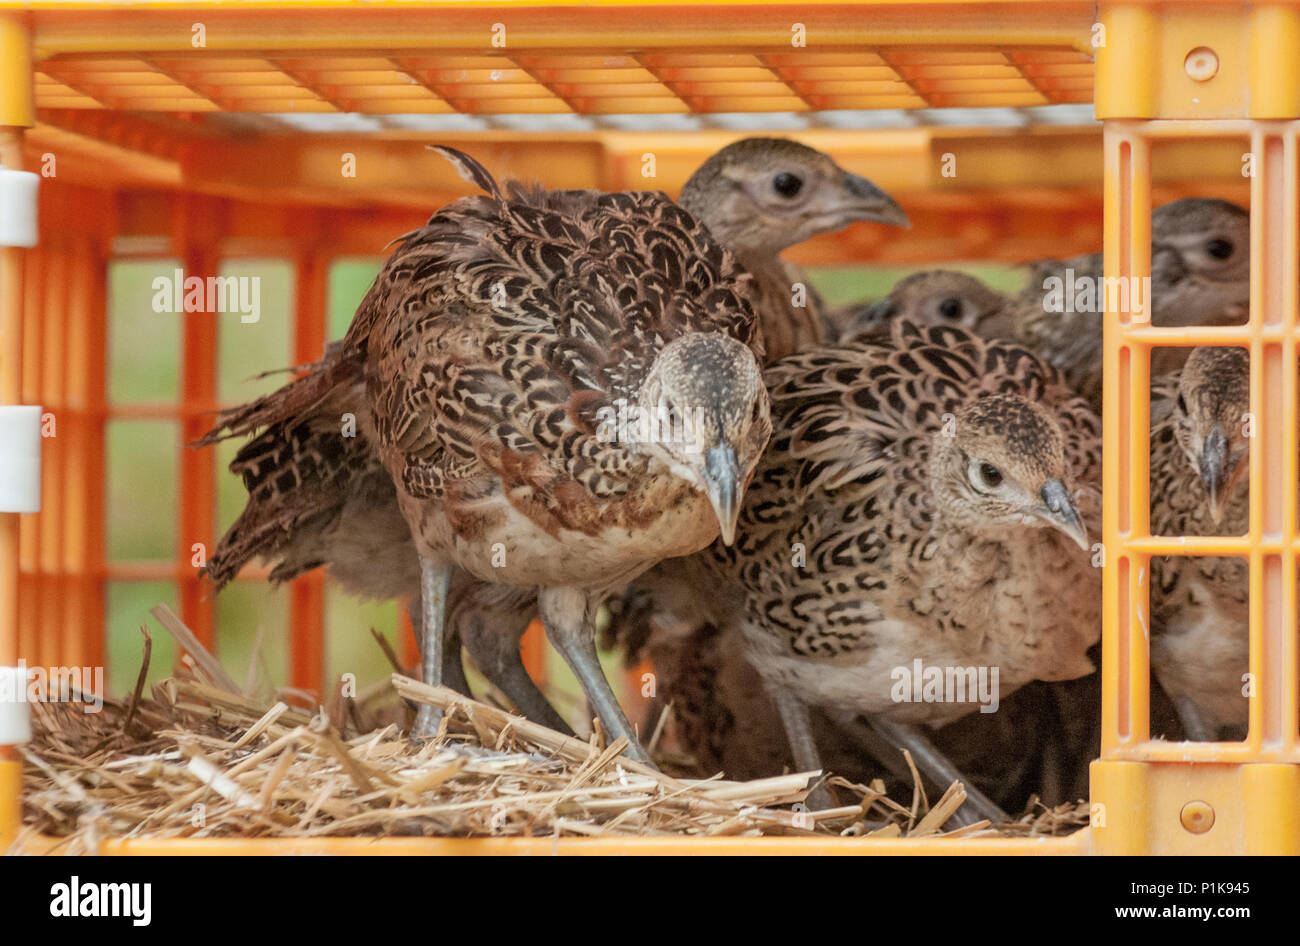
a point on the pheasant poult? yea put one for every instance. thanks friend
(317, 498)
(757, 196)
(920, 501)
(1200, 455)
(502, 348)
(930, 297)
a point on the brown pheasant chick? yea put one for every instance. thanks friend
(932, 297)
(1200, 262)
(500, 343)
(762, 195)
(688, 450)
(1211, 423)
(759, 196)
(1004, 468)
(710, 390)
(917, 503)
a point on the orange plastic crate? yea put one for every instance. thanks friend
(154, 133)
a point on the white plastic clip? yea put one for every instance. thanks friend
(18, 207)
(20, 458)
(15, 718)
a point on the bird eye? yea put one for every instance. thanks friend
(991, 475)
(1219, 248)
(787, 184)
(950, 308)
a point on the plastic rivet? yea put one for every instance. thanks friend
(1202, 63)
(1197, 817)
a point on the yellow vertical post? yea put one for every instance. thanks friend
(17, 112)
(1235, 71)
(1272, 461)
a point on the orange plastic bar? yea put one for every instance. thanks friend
(464, 28)
(409, 653)
(307, 594)
(194, 232)
(96, 393)
(11, 328)
(82, 427)
(74, 631)
(1076, 843)
(532, 648)
(52, 602)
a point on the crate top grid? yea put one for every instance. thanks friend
(250, 106)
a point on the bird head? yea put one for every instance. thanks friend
(933, 297)
(1210, 421)
(761, 195)
(1003, 464)
(709, 418)
(1200, 260)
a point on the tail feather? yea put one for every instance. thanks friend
(470, 170)
(304, 461)
(298, 397)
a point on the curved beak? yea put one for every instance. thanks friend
(869, 203)
(1058, 510)
(1214, 457)
(1218, 472)
(1167, 263)
(723, 486)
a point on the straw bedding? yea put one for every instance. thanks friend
(199, 759)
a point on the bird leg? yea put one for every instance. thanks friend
(434, 582)
(566, 615)
(798, 729)
(453, 667)
(1195, 725)
(495, 651)
(934, 764)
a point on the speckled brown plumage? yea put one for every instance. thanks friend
(860, 476)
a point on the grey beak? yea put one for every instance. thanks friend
(873, 205)
(723, 487)
(1214, 459)
(1167, 264)
(1059, 511)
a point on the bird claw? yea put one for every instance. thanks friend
(820, 798)
(428, 720)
